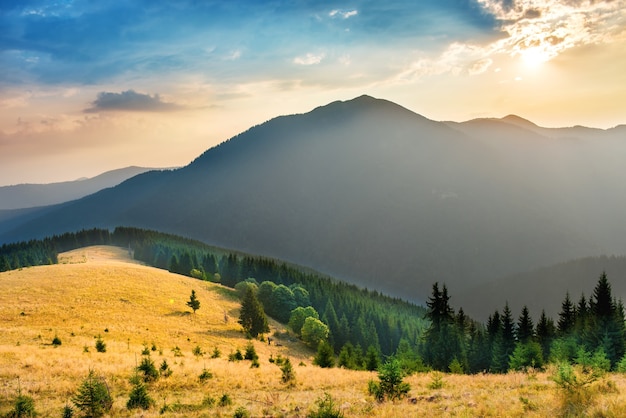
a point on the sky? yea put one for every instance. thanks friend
(89, 86)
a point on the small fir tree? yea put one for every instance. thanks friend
(139, 398)
(93, 397)
(193, 302)
(391, 385)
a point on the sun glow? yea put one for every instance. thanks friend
(535, 57)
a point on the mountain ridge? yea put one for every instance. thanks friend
(367, 191)
(30, 195)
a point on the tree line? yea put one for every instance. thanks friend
(356, 325)
(355, 317)
(591, 331)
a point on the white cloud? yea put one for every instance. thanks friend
(309, 59)
(546, 28)
(343, 14)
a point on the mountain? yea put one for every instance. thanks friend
(370, 192)
(32, 195)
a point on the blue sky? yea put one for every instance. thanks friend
(87, 86)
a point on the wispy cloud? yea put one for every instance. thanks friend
(130, 100)
(309, 59)
(343, 14)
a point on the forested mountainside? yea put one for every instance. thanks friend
(372, 193)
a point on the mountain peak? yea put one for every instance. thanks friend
(517, 120)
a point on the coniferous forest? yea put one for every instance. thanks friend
(361, 327)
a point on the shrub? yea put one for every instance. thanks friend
(436, 381)
(56, 341)
(526, 355)
(197, 351)
(164, 369)
(456, 367)
(288, 376)
(205, 375)
(574, 385)
(241, 412)
(390, 385)
(225, 400)
(101, 346)
(177, 352)
(250, 353)
(93, 397)
(68, 412)
(326, 408)
(148, 370)
(24, 406)
(145, 351)
(139, 397)
(216, 353)
(236, 356)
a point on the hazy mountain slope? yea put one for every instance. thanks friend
(32, 195)
(375, 194)
(544, 288)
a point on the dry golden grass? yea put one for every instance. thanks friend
(98, 291)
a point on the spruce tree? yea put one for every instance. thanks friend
(252, 317)
(567, 316)
(545, 332)
(524, 331)
(442, 339)
(325, 356)
(504, 343)
(193, 302)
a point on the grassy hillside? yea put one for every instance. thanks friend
(99, 291)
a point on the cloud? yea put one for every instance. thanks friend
(480, 66)
(309, 59)
(130, 100)
(343, 13)
(550, 27)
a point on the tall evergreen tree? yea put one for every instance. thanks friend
(252, 317)
(567, 316)
(442, 341)
(607, 322)
(504, 343)
(524, 331)
(546, 332)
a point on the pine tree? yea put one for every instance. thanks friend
(193, 302)
(442, 339)
(504, 344)
(93, 397)
(524, 331)
(546, 332)
(325, 356)
(567, 316)
(252, 317)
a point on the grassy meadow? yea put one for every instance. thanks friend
(99, 292)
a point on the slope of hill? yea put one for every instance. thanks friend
(99, 293)
(33, 195)
(369, 192)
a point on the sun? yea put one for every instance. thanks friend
(535, 57)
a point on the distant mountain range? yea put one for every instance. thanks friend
(377, 195)
(32, 195)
